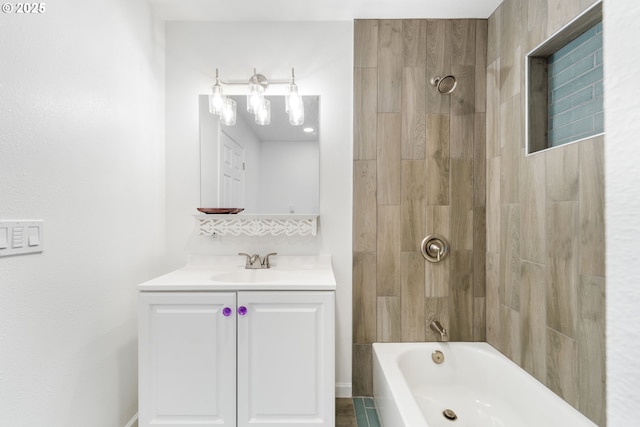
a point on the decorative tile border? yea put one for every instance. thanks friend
(366, 412)
(258, 225)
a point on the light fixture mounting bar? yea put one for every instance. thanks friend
(262, 80)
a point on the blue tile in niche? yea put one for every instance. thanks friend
(574, 44)
(578, 83)
(580, 112)
(575, 88)
(571, 132)
(578, 52)
(572, 101)
(598, 123)
(575, 70)
(599, 89)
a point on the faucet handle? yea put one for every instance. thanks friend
(265, 261)
(248, 263)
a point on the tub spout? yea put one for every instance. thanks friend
(437, 327)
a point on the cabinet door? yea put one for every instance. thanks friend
(286, 359)
(187, 359)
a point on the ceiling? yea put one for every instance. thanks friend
(319, 10)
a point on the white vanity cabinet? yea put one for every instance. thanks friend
(236, 358)
(286, 359)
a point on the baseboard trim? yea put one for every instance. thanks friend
(133, 421)
(343, 389)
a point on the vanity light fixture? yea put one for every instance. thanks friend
(256, 102)
(293, 103)
(216, 99)
(228, 116)
(257, 85)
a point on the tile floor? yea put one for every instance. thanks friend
(356, 412)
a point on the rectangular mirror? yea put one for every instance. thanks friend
(265, 169)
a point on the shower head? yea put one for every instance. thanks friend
(444, 84)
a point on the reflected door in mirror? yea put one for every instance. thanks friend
(231, 172)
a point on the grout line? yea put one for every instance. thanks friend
(367, 416)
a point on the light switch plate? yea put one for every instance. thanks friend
(21, 237)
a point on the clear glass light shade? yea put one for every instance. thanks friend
(255, 98)
(263, 114)
(216, 100)
(293, 98)
(296, 116)
(228, 116)
(294, 105)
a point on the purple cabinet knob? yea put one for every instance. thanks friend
(226, 312)
(242, 310)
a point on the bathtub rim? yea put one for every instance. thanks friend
(390, 354)
(386, 359)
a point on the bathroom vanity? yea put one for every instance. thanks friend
(223, 345)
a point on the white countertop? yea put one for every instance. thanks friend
(218, 273)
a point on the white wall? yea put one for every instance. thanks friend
(81, 147)
(622, 210)
(289, 177)
(322, 54)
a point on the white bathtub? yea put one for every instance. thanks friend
(483, 388)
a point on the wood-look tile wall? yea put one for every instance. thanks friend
(545, 227)
(419, 169)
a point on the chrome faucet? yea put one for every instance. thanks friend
(437, 327)
(254, 262)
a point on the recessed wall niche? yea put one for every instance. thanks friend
(565, 84)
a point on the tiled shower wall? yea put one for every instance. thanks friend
(545, 224)
(419, 169)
